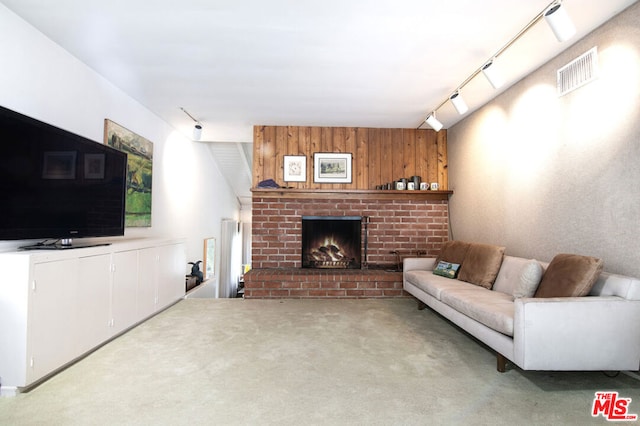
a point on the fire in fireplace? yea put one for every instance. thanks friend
(331, 242)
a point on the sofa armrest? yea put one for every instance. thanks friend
(418, 263)
(577, 333)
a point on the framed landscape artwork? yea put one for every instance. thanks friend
(139, 172)
(331, 167)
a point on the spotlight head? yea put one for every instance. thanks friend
(433, 122)
(559, 22)
(493, 76)
(459, 103)
(197, 132)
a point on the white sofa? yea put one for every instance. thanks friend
(600, 331)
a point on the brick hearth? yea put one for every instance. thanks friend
(321, 283)
(407, 225)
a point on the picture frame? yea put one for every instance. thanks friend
(139, 172)
(59, 165)
(94, 166)
(209, 258)
(331, 167)
(295, 168)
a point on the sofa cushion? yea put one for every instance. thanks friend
(569, 275)
(491, 308)
(430, 283)
(509, 274)
(453, 252)
(481, 264)
(528, 280)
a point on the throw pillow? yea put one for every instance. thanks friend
(528, 280)
(569, 275)
(453, 252)
(481, 264)
(446, 269)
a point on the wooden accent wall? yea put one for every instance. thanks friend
(379, 155)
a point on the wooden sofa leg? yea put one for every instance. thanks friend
(502, 363)
(421, 305)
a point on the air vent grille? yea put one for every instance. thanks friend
(578, 72)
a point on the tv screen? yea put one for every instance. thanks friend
(57, 185)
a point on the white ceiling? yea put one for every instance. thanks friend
(235, 63)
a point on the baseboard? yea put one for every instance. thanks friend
(632, 374)
(8, 391)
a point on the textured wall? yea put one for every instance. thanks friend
(542, 174)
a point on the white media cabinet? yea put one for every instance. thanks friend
(57, 305)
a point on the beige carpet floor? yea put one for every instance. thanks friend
(316, 362)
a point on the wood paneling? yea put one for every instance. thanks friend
(379, 155)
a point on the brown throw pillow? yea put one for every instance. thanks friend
(569, 275)
(453, 252)
(481, 265)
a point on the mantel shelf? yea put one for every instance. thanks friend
(371, 194)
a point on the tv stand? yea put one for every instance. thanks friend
(62, 304)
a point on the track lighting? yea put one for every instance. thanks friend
(197, 129)
(459, 103)
(433, 122)
(559, 22)
(197, 132)
(492, 75)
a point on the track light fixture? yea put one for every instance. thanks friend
(433, 122)
(562, 27)
(492, 75)
(559, 22)
(459, 104)
(197, 129)
(197, 132)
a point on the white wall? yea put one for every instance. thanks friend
(541, 174)
(40, 79)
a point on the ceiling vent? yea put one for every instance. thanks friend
(578, 72)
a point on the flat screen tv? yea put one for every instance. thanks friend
(56, 185)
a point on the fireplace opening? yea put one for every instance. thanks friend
(331, 242)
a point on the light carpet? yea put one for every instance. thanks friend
(318, 362)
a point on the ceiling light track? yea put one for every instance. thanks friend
(197, 129)
(560, 24)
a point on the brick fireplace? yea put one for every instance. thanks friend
(400, 224)
(332, 242)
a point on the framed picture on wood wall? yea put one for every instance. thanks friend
(331, 167)
(295, 168)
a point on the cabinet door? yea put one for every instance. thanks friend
(171, 274)
(52, 317)
(94, 301)
(124, 291)
(147, 271)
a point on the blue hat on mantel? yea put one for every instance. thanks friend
(268, 183)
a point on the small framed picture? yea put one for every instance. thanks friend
(59, 165)
(94, 166)
(295, 168)
(331, 167)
